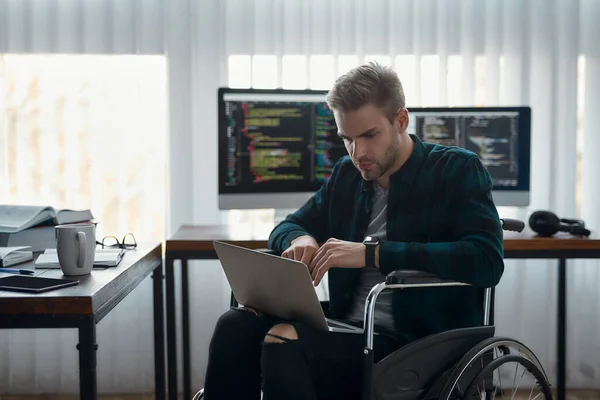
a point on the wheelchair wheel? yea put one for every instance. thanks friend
(199, 395)
(486, 382)
(497, 368)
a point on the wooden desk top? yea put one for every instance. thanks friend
(200, 237)
(97, 293)
(530, 241)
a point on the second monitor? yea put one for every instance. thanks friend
(277, 147)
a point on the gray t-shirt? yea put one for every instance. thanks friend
(369, 277)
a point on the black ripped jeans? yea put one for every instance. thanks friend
(319, 365)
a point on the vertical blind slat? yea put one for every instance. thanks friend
(16, 26)
(468, 45)
(95, 27)
(590, 32)
(565, 156)
(376, 32)
(123, 25)
(319, 28)
(345, 26)
(151, 26)
(292, 29)
(70, 27)
(264, 27)
(541, 75)
(43, 27)
(493, 43)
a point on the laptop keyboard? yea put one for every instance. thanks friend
(334, 324)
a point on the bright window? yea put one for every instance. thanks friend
(383, 60)
(406, 69)
(86, 131)
(240, 71)
(321, 72)
(430, 82)
(454, 80)
(346, 62)
(264, 72)
(293, 72)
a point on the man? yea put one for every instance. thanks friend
(421, 206)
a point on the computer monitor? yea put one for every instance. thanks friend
(500, 136)
(277, 147)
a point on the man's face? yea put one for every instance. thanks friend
(371, 140)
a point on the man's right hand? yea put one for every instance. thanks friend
(303, 249)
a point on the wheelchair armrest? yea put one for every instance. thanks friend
(413, 277)
(515, 225)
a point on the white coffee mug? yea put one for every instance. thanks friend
(76, 248)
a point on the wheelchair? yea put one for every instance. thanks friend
(463, 363)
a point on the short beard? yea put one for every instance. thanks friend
(387, 163)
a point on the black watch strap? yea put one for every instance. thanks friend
(370, 243)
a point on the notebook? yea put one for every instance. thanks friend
(103, 258)
(15, 255)
(15, 218)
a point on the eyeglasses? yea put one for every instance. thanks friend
(128, 242)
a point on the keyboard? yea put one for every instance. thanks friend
(340, 325)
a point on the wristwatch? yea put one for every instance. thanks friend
(370, 243)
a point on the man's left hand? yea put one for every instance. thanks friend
(336, 253)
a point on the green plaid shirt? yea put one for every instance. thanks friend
(440, 219)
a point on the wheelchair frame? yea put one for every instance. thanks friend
(482, 337)
(407, 279)
(400, 279)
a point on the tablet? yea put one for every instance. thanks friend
(34, 284)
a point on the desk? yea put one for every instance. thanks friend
(195, 243)
(84, 305)
(561, 247)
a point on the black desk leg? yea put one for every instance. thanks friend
(87, 347)
(171, 328)
(562, 329)
(185, 327)
(159, 333)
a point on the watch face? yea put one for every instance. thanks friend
(371, 240)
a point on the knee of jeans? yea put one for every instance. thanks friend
(281, 333)
(280, 351)
(233, 321)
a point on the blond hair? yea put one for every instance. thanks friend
(366, 84)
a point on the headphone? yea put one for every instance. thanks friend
(546, 223)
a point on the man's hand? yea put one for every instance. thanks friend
(303, 249)
(336, 253)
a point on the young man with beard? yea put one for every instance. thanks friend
(394, 202)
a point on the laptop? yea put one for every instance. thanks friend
(275, 285)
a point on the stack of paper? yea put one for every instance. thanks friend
(16, 218)
(23, 225)
(15, 255)
(102, 258)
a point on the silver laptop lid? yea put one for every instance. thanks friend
(274, 285)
